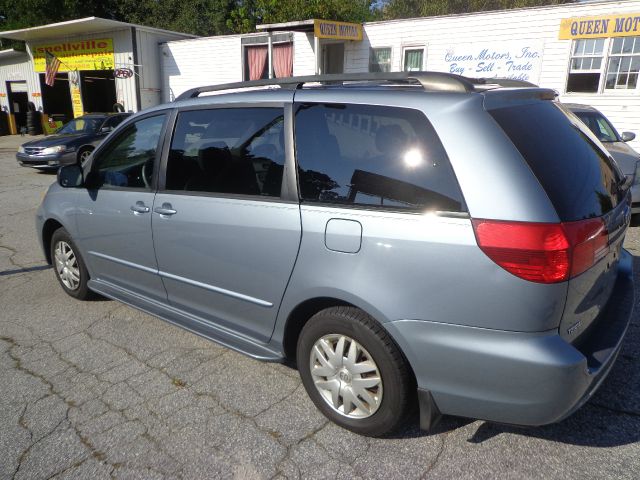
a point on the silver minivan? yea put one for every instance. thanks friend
(407, 239)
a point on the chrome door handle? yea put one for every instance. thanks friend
(139, 207)
(165, 209)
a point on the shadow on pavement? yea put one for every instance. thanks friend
(24, 270)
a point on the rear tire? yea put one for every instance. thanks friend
(367, 387)
(69, 267)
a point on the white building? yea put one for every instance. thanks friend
(588, 52)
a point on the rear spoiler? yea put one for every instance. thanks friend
(505, 97)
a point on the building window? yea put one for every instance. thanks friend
(413, 58)
(380, 60)
(256, 65)
(624, 63)
(586, 65)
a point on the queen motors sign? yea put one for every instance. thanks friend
(519, 60)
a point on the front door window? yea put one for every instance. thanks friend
(128, 162)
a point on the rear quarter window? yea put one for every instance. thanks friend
(374, 157)
(579, 178)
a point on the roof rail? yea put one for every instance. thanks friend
(431, 81)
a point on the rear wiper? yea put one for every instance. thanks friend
(625, 182)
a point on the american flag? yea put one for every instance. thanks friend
(53, 64)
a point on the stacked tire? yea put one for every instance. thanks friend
(34, 120)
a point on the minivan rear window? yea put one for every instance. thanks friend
(578, 176)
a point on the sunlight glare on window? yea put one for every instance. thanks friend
(413, 158)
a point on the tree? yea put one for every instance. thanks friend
(393, 9)
(199, 17)
(248, 13)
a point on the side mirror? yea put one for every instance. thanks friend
(628, 136)
(105, 129)
(70, 176)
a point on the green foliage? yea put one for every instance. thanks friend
(199, 17)
(425, 8)
(215, 17)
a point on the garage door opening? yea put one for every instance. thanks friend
(18, 102)
(98, 89)
(56, 99)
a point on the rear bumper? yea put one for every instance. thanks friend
(514, 377)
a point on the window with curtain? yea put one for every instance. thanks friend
(413, 58)
(380, 60)
(624, 63)
(255, 62)
(283, 60)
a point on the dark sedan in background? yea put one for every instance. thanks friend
(72, 143)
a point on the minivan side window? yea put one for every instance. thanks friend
(128, 161)
(373, 156)
(228, 151)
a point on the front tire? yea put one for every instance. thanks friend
(83, 156)
(69, 267)
(354, 372)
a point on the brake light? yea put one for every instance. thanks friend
(543, 252)
(590, 241)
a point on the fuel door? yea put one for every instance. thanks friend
(343, 236)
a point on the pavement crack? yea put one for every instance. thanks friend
(437, 457)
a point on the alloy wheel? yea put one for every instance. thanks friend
(67, 265)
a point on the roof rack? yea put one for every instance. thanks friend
(431, 81)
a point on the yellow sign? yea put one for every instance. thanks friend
(337, 30)
(622, 25)
(76, 101)
(79, 55)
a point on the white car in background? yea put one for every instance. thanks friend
(626, 157)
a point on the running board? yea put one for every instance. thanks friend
(189, 322)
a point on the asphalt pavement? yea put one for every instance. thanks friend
(93, 390)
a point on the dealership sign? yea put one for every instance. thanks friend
(622, 25)
(516, 60)
(337, 30)
(77, 55)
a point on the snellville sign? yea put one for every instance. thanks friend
(621, 25)
(337, 30)
(80, 55)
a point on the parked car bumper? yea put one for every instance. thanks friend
(45, 162)
(514, 377)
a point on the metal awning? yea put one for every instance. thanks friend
(297, 26)
(329, 29)
(80, 26)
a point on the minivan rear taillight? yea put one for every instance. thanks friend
(543, 252)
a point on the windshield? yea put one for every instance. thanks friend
(599, 125)
(81, 125)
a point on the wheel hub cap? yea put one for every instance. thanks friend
(67, 265)
(346, 376)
